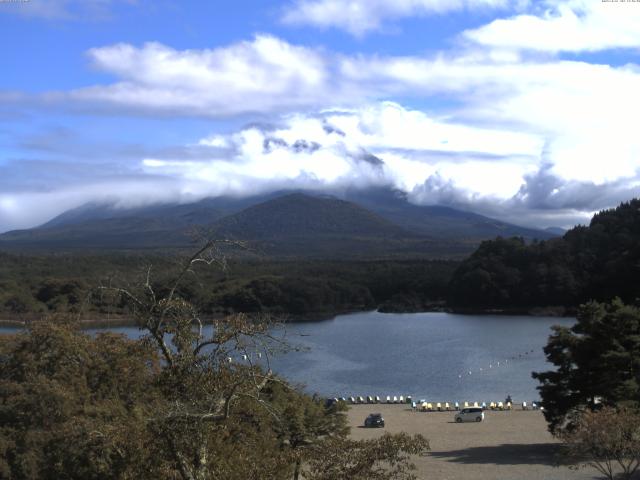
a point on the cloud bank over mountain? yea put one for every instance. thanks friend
(514, 117)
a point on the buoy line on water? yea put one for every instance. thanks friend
(497, 364)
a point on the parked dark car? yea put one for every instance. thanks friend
(374, 420)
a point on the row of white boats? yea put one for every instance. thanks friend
(425, 406)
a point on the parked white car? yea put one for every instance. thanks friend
(471, 414)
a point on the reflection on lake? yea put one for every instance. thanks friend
(426, 355)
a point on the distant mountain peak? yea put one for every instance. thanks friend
(363, 222)
(300, 214)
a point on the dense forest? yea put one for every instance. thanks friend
(32, 285)
(600, 261)
(173, 405)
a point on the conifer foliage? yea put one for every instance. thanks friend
(597, 363)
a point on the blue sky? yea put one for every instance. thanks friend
(523, 110)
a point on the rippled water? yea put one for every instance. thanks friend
(425, 355)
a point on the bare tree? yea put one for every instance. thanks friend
(211, 369)
(208, 366)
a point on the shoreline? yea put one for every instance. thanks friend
(118, 321)
(551, 311)
(90, 323)
(547, 311)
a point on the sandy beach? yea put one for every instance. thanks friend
(509, 445)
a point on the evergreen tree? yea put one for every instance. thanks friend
(599, 262)
(597, 362)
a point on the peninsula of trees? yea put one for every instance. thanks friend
(596, 262)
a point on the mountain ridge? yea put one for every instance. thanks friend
(288, 223)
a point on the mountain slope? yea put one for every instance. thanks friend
(294, 224)
(312, 226)
(298, 214)
(438, 221)
(100, 226)
(365, 223)
(203, 212)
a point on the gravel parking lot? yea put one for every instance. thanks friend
(509, 445)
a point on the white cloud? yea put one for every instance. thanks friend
(546, 25)
(496, 171)
(361, 16)
(389, 125)
(386, 144)
(266, 74)
(566, 26)
(585, 112)
(520, 122)
(27, 209)
(335, 149)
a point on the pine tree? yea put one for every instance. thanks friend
(597, 362)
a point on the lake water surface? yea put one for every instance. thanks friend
(425, 355)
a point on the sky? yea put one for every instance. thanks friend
(522, 110)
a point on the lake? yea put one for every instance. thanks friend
(437, 356)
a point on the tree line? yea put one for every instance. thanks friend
(600, 261)
(596, 262)
(32, 286)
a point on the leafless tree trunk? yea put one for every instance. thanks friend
(209, 372)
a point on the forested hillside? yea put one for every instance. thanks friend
(369, 224)
(599, 261)
(32, 285)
